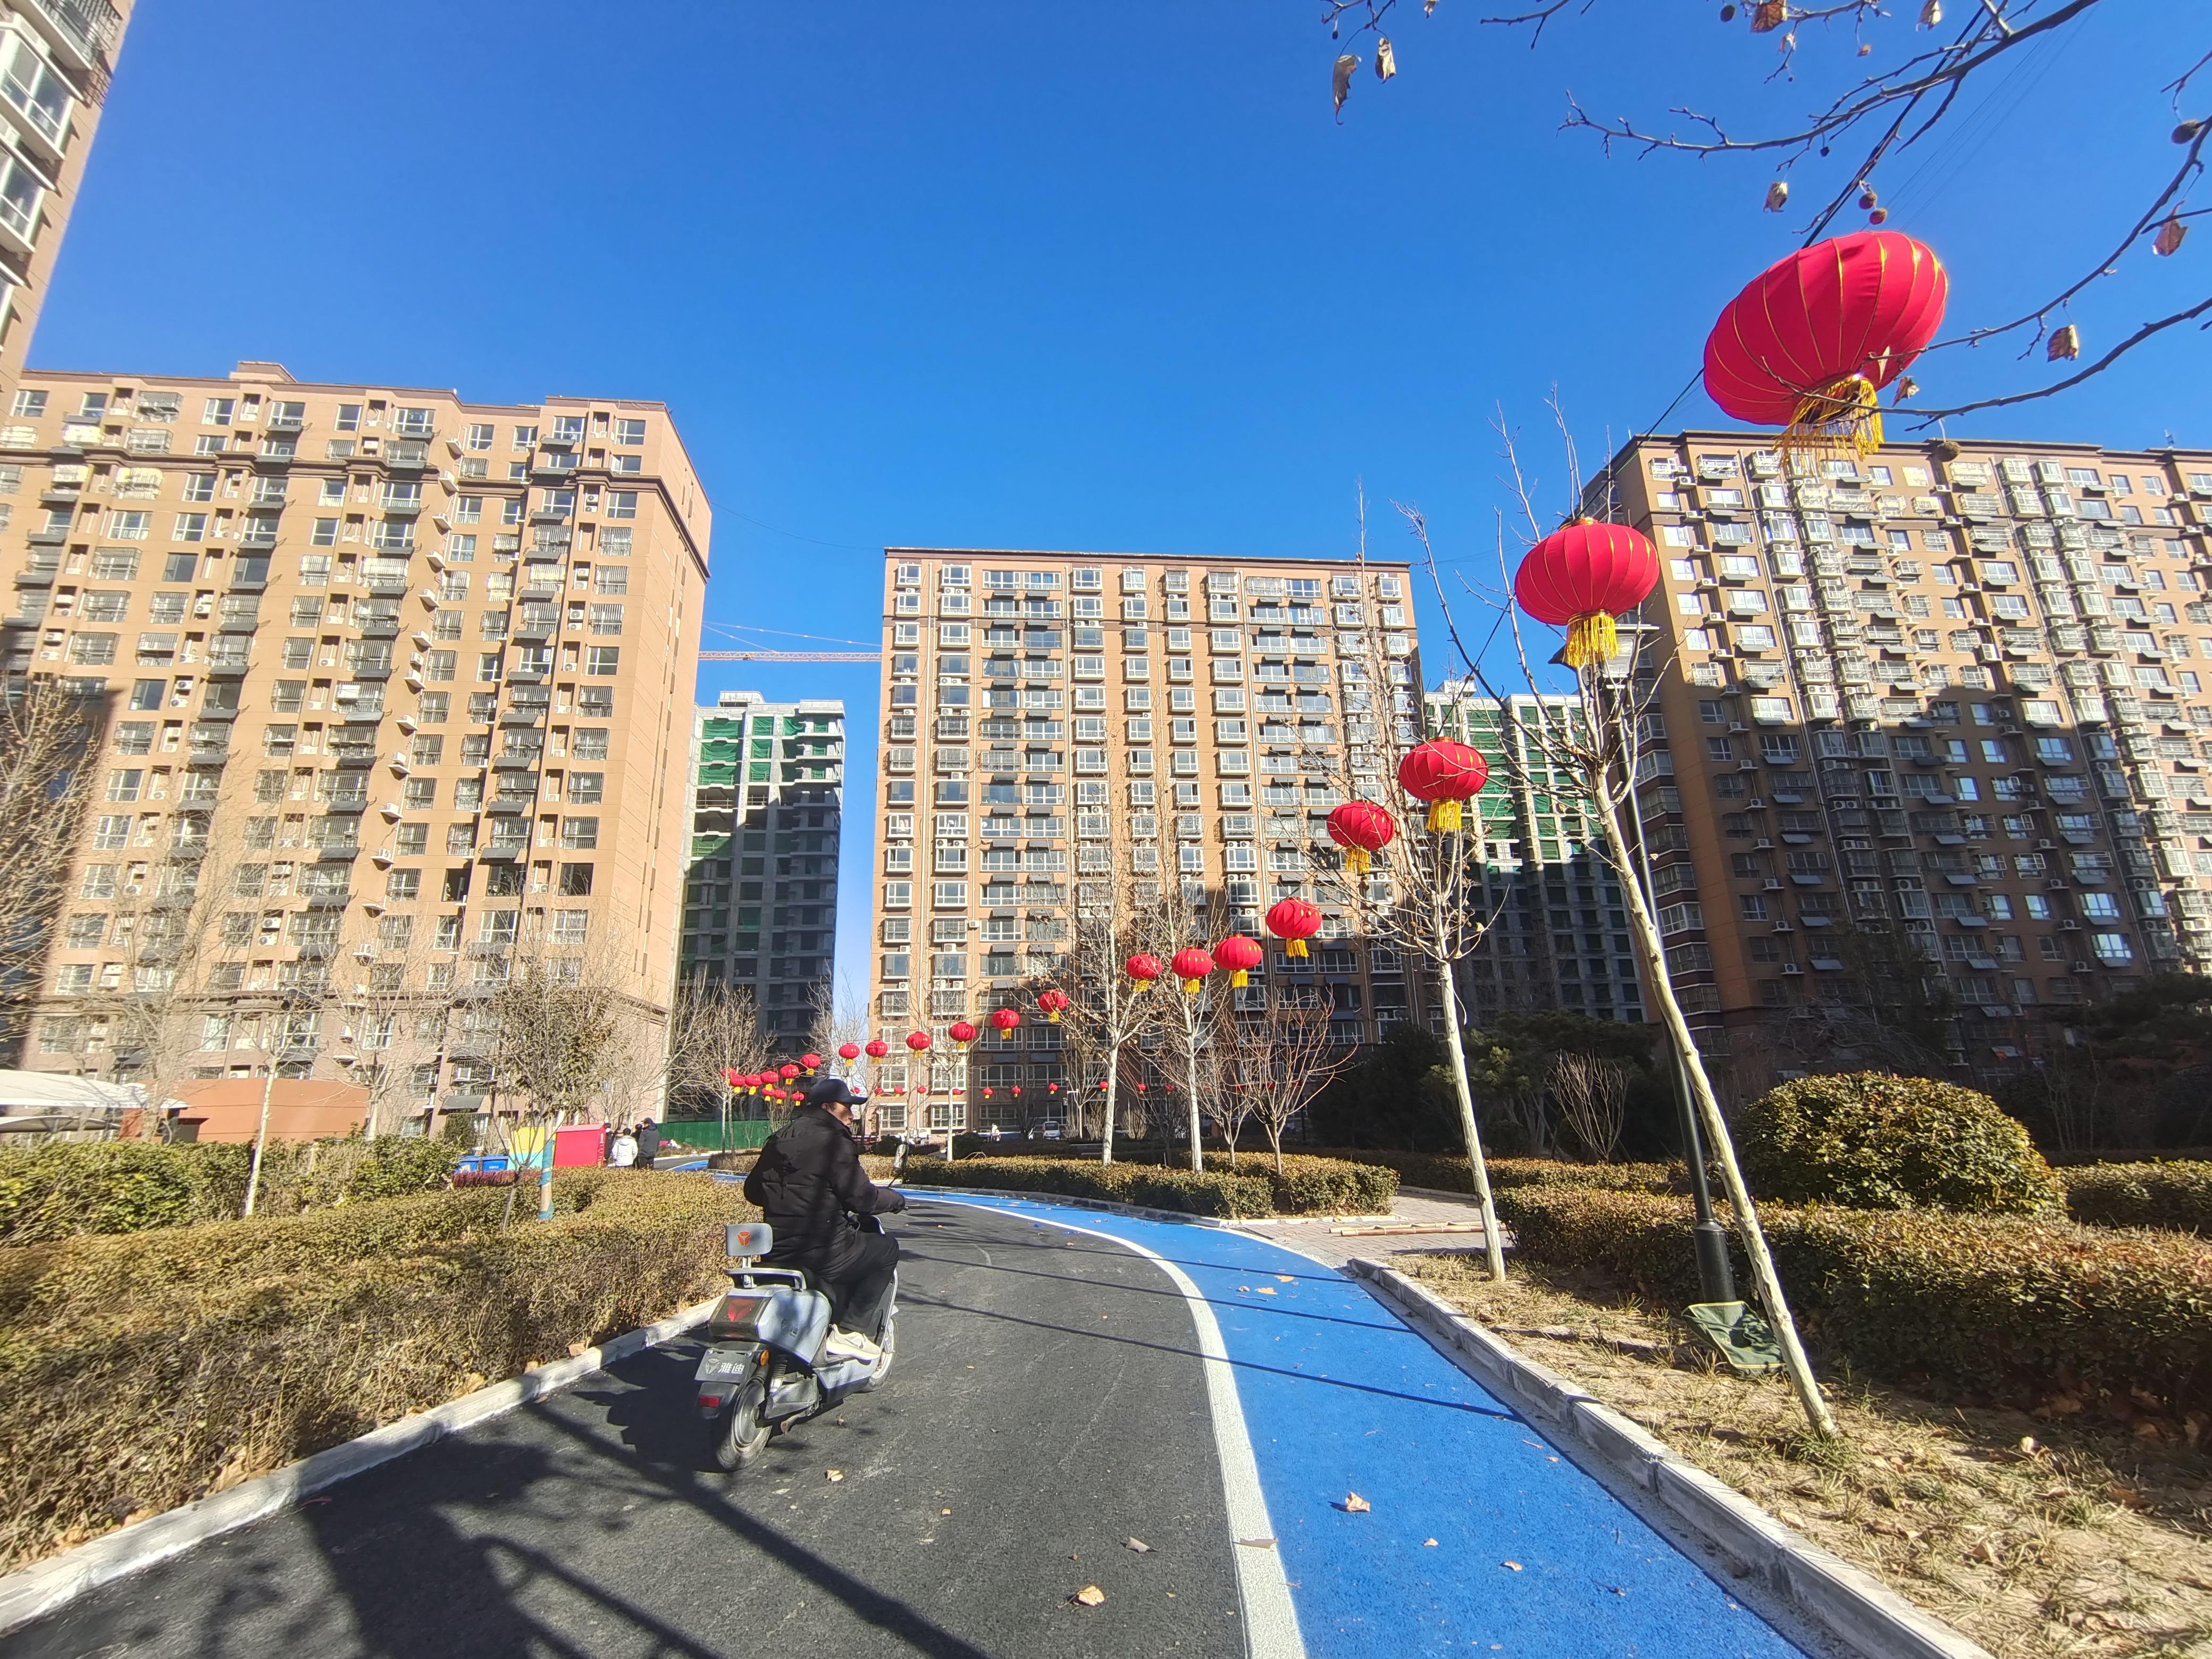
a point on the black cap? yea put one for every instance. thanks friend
(832, 1092)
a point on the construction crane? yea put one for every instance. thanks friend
(791, 656)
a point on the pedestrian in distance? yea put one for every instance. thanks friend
(648, 1142)
(622, 1151)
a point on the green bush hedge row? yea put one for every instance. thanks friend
(1147, 1184)
(1317, 1186)
(140, 1370)
(2174, 1194)
(2017, 1309)
(1451, 1174)
(68, 1187)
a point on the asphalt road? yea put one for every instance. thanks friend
(1048, 1405)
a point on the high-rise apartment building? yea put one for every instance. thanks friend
(1558, 932)
(768, 794)
(1043, 710)
(1934, 726)
(56, 56)
(410, 679)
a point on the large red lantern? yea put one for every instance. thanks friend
(1582, 576)
(1361, 828)
(1296, 920)
(812, 1062)
(1003, 1020)
(1144, 968)
(788, 1073)
(730, 1076)
(1443, 774)
(1053, 1002)
(918, 1041)
(848, 1051)
(1812, 340)
(961, 1032)
(1239, 955)
(876, 1048)
(1191, 966)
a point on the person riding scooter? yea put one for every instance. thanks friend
(807, 1178)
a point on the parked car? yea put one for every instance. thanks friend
(1049, 1129)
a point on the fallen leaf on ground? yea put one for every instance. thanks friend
(1355, 1504)
(1266, 1290)
(1090, 1595)
(1285, 1279)
(1139, 1546)
(1257, 1543)
(1428, 1543)
(945, 1511)
(836, 1474)
(576, 1349)
(1511, 1567)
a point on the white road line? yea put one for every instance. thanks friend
(1271, 1623)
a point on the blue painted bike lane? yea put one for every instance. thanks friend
(1481, 1537)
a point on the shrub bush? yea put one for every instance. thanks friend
(1147, 1184)
(1867, 1141)
(2176, 1195)
(140, 1371)
(1455, 1175)
(2010, 1308)
(68, 1187)
(1317, 1186)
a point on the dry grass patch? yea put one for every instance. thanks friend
(2040, 1538)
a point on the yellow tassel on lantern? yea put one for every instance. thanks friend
(1297, 947)
(1591, 637)
(1237, 980)
(1052, 1016)
(1356, 860)
(1842, 419)
(1190, 987)
(1444, 817)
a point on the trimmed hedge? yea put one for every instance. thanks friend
(1316, 1186)
(1450, 1174)
(141, 1371)
(2175, 1194)
(1869, 1140)
(2016, 1309)
(67, 1188)
(1147, 1184)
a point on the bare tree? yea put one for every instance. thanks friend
(1599, 744)
(1892, 116)
(1592, 1095)
(47, 735)
(1117, 915)
(1420, 896)
(396, 1011)
(714, 1028)
(1286, 1058)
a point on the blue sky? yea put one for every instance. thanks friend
(1069, 276)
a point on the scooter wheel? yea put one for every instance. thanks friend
(743, 1437)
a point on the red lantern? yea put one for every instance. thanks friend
(1054, 1087)
(848, 1051)
(1811, 341)
(986, 1094)
(1052, 1002)
(1005, 1019)
(961, 1032)
(812, 1062)
(1016, 1090)
(730, 1076)
(1360, 826)
(1101, 1086)
(918, 1041)
(788, 1073)
(1144, 968)
(1296, 920)
(877, 1049)
(1140, 1088)
(1238, 955)
(1191, 965)
(1582, 576)
(1443, 774)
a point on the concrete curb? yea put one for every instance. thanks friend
(1858, 1610)
(52, 1584)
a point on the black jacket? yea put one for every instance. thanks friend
(805, 1179)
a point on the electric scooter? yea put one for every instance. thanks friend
(764, 1369)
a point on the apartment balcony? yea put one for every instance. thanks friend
(81, 32)
(286, 422)
(503, 850)
(518, 760)
(36, 576)
(405, 455)
(378, 627)
(510, 805)
(406, 506)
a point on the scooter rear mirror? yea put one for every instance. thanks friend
(747, 1239)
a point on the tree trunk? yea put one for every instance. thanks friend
(1113, 1083)
(260, 1139)
(1718, 1143)
(1190, 1085)
(1493, 1247)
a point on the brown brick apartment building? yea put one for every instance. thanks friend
(409, 677)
